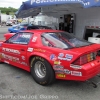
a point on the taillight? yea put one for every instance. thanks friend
(85, 59)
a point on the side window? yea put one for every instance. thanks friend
(20, 38)
(44, 41)
(47, 42)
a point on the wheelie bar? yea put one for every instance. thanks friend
(95, 84)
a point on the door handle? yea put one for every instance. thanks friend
(22, 49)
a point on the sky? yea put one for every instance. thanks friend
(11, 3)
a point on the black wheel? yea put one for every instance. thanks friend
(42, 71)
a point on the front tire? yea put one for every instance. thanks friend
(42, 71)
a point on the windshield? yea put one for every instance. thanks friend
(63, 40)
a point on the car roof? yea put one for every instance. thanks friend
(41, 31)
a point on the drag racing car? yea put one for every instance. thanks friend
(50, 55)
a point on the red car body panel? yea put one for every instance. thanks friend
(88, 70)
(8, 35)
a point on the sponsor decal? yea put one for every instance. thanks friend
(11, 58)
(75, 66)
(23, 57)
(61, 55)
(6, 62)
(34, 39)
(30, 49)
(25, 36)
(67, 57)
(57, 62)
(11, 50)
(61, 75)
(39, 50)
(66, 71)
(53, 57)
(15, 59)
(76, 73)
(23, 63)
(60, 69)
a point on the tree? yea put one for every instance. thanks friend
(8, 10)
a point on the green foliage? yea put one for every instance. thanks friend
(8, 10)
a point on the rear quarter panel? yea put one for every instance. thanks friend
(46, 52)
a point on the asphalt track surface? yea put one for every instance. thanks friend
(17, 84)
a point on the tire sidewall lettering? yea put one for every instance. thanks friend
(36, 58)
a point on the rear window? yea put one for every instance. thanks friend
(63, 40)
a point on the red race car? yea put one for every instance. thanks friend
(50, 55)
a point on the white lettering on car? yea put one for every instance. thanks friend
(23, 57)
(67, 57)
(25, 36)
(34, 39)
(6, 62)
(30, 49)
(11, 50)
(11, 58)
(23, 63)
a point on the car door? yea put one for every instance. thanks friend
(15, 49)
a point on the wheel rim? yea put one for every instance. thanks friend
(40, 69)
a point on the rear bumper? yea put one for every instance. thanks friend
(88, 71)
(83, 78)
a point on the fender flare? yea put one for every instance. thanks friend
(40, 55)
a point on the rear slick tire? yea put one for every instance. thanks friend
(42, 71)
